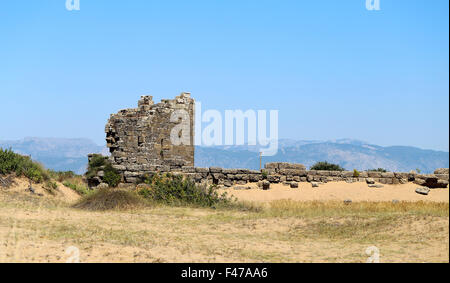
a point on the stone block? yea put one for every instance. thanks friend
(423, 191)
(201, 170)
(229, 171)
(294, 185)
(215, 170)
(273, 178)
(442, 171)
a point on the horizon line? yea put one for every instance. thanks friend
(334, 141)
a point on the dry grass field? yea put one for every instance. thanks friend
(41, 229)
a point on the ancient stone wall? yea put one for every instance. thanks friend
(140, 141)
(295, 173)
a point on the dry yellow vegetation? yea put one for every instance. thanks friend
(41, 229)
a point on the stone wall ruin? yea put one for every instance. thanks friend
(141, 144)
(139, 139)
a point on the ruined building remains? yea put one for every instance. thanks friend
(140, 140)
(160, 138)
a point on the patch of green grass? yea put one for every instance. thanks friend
(80, 188)
(289, 208)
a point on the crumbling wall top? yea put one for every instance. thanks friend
(139, 138)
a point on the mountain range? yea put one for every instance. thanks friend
(71, 154)
(56, 153)
(348, 153)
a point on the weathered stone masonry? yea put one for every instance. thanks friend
(140, 143)
(139, 139)
(281, 172)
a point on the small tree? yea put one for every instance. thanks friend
(111, 177)
(101, 163)
(325, 166)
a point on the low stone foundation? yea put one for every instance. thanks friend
(285, 172)
(159, 138)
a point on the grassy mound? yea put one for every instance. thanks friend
(11, 162)
(110, 199)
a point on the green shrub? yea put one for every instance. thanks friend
(111, 177)
(101, 163)
(264, 174)
(61, 176)
(97, 160)
(11, 162)
(355, 173)
(51, 187)
(176, 190)
(325, 166)
(96, 163)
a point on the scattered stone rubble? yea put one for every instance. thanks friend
(423, 191)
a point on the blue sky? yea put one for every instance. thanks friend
(332, 68)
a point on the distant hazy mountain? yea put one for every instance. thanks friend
(350, 154)
(71, 154)
(56, 154)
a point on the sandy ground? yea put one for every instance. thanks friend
(62, 193)
(338, 191)
(32, 229)
(46, 234)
